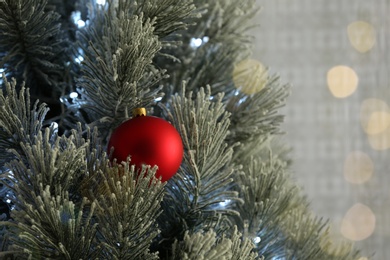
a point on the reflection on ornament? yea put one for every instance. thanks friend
(358, 167)
(358, 223)
(250, 76)
(342, 81)
(361, 35)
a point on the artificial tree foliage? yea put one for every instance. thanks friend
(72, 71)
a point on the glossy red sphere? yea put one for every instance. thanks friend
(148, 140)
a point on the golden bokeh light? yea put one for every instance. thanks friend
(380, 141)
(342, 81)
(250, 76)
(375, 120)
(358, 167)
(334, 243)
(378, 122)
(361, 35)
(374, 116)
(358, 223)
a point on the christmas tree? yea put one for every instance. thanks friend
(74, 72)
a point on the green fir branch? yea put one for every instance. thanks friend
(312, 241)
(171, 16)
(268, 198)
(19, 122)
(95, 152)
(52, 228)
(31, 44)
(227, 19)
(202, 246)
(50, 161)
(128, 202)
(118, 74)
(222, 32)
(303, 243)
(203, 125)
(205, 177)
(257, 115)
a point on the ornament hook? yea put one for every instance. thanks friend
(139, 111)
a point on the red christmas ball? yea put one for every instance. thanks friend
(148, 140)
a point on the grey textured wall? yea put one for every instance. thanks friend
(341, 144)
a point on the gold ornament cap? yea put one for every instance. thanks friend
(139, 111)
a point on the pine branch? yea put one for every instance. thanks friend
(3, 231)
(205, 178)
(203, 124)
(257, 115)
(50, 161)
(95, 152)
(31, 44)
(212, 46)
(17, 123)
(268, 198)
(171, 16)
(199, 246)
(128, 204)
(227, 19)
(312, 242)
(118, 74)
(39, 182)
(53, 227)
(339, 251)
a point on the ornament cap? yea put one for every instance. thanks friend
(139, 111)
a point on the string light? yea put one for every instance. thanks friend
(224, 203)
(257, 240)
(73, 95)
(79, 59)
(1, 78)
(76, 16)
(54, 125)
(197, 42)
(101, 2)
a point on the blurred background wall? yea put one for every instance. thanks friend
(336, 55)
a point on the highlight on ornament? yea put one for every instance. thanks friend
(148, 140)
